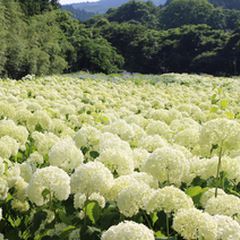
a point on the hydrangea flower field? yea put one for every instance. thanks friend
(120, 157)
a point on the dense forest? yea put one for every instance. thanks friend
(37, 37)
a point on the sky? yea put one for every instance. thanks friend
(75, 1)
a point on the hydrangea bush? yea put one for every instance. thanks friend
(120, 157)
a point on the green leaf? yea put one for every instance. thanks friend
(38, 218)
(110, 216)
(93, 211)
(154, 217)
(94, 154)
(64, 217)
(194, 191)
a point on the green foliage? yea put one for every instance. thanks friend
(183, 36)
(32, 7)
(232, 4)
(49, 43)
(181, 12)
(141, 12)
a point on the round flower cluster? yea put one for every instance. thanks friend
(194, 224)
(220, 132)
(168, 199)
(131, 199)
(116, 154)
(50, 180)
(228, 229)
(65, 154)
(167, 165)
(224, 204)
(128, 231)
(92, 177)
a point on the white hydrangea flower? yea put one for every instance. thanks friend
(6, 109)
(21, 189)
(119, 184)
(225, 204)
(161, 115)
(35, 158)
(209, 194)
(228, 229)
(21, 116)
(79, 200)
(181, 124)
(145, 178)
(109, 141)
(117, 160)
(52, 179)
(140, 155)
(65, 154)
(9, 128)
(131, 199)
(204, 167)
(160, 128)
(44, 142)
(3, 189)
(8, 147)
(220, 132)
(40, 118)
(21, 206)
(2, 167)
(12, 174)
(152, 142)
(92, 177)
(231, 167)
(26, 171)
(188, 138)
(194, 224)
(98, 198)
(128, 230)
(135, 178)
(167, 165)
(87, 136)
(121, 128)
(168, 199)
(116, 154)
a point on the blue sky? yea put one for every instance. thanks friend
(75, 1)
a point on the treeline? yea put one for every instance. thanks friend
(175, 13)
(183, 36)
(36, 37)
(232, 4)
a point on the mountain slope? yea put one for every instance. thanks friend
(103, 5)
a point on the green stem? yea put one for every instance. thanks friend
(167, 225)
(147, 220)
(218, 170)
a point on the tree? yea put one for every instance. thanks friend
(182, 12)
(141, 12)
(32, 7)
(16, 51)
(3, 40)
(232, 4)
(231, 54)
(47, 45)
(122, 36)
